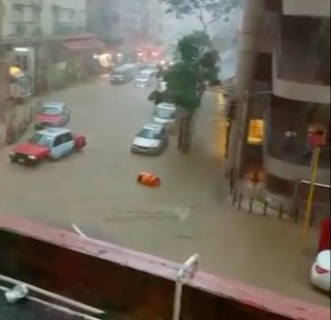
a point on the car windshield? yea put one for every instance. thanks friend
(41, 139)
(165, 113)
(148, 134)
(51, 110)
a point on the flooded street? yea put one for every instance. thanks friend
(189, 213)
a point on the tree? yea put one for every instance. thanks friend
(185, 81)
(201, 9)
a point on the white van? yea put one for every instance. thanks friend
(145, 78)
(165, 114)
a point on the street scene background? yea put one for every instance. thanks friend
(189, 213)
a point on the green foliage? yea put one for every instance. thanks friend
(196, 64)
(216, 8)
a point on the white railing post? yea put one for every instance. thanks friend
(185, 273)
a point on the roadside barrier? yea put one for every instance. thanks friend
(148, 179)
(253, 204)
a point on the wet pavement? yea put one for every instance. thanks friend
(189, 213)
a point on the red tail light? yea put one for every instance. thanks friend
(320, 270)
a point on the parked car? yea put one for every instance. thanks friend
(52, 114)
(165, 114)
(145, 78)
(320, 271)
(151, 139)
(47, 144)
(123, 74)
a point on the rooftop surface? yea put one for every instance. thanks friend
(54, 131)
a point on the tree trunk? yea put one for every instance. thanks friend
(185, 132)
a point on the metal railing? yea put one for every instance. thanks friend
(185, 274)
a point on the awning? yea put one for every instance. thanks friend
(80, 44)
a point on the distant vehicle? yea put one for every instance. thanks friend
(320, 271)
(145, 78)
(151, 139)
(161, 86)
(47, 144)
(123, 74)
(165, 114)
(52, 114)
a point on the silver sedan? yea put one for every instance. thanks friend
(151, 139)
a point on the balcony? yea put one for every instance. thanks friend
(289, 160)
(301, 66)
(67, 28)
(311, 8)
(23, 29)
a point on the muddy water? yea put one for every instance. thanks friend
(189, 213)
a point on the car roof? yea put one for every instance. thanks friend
(147, 71)
(124, 67)
(153, 126)
(54, 131)
(54, 104)
(168, 106)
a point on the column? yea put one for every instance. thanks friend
(248, 35)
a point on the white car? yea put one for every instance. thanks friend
(165, 114)
(320, 271)
(151, 139)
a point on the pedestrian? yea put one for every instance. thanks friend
(290, 135)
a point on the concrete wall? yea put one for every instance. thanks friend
(248, 36)
(315, 8)
(289, 171)
(290, 89)
(121, 281)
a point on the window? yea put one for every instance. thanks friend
(41, 139)
(67, 137)
(255, 131)
(22, 61)
(57, 141)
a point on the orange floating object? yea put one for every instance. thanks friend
(148, 179)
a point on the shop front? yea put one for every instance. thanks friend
(82, 55)
(21, 84)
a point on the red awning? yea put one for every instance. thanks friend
(79, 44)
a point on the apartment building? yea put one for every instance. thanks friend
(42, 17)
(46, 39)
(283, 85)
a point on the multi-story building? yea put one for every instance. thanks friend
(283, 85)
(124, 20)
(42, 17)
(42, 37)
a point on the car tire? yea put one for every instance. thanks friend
(12, 160)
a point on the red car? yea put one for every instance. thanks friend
(53, 114)
(47, 144)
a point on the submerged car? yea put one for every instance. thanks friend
(53, 114)
(165, 114)
(47, 144)
(145, 78)
(151, 139)
(320, 271)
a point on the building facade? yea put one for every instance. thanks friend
(283, 85)
(124, 21)
(47, 41)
